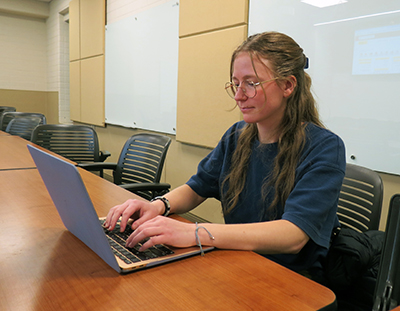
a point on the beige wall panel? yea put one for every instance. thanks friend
(36, 9)
(32, 101)
(24, 101)
(52, 109)
(92, 90)
(75, 90)
(74, 31)
(92, 27)
(204, 110)
(201, 16)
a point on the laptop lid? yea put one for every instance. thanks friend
(73, 203)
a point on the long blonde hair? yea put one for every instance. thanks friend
(287, 59)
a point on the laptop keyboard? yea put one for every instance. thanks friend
(129, 255)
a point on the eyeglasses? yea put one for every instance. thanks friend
(248, 87)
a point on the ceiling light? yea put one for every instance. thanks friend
(323, 3)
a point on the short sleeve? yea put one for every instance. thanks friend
(312, 205)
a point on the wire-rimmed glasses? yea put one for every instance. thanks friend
(248, 87)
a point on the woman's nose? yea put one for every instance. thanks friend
(240, 95)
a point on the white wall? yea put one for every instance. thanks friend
(23, 53)
(34, 53)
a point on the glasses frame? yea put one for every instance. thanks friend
(230, 85)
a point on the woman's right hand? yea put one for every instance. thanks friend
(139, 210)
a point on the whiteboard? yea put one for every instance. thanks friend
(354, 54)
(141, 69)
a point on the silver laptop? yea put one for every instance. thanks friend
(76, 210)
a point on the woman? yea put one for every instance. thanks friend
(277, 173)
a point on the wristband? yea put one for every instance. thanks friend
(166, 204)
(196, 234)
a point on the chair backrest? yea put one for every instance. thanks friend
(78, 143)
(23, 127)
(387, 289)
(7, 108)
(4, 109)
(142, 160)
(360, 200)
(6, 117)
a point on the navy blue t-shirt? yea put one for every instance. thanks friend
(312, 204)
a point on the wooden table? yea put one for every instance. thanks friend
(14, 153)
(44, 267)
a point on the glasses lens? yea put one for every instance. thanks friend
(230, 89)
(249, 89)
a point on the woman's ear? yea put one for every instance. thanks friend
(288, 86)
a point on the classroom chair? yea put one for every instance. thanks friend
(140, 165)
(23, 126)
(6, 117)
(6, 108)
(79, 143)
(360, 200)
(387, 290)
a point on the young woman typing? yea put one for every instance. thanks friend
(277, 173)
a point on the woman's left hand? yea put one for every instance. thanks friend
(163, 230)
